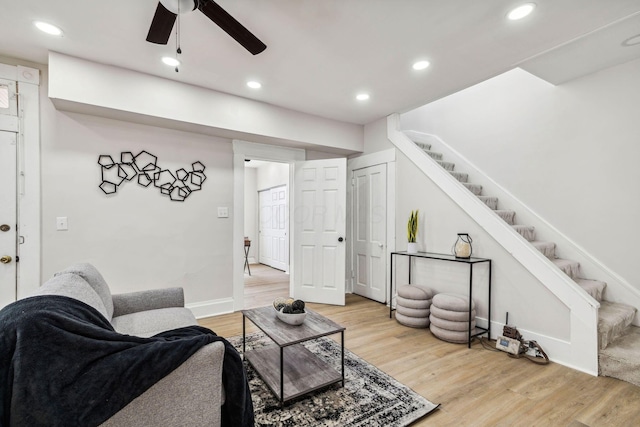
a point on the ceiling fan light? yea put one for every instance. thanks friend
(254, 84)
(50, 29)
(172, 62)
(421, 65)
(182, 6)
(521, 11)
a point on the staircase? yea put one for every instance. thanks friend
(618, 340)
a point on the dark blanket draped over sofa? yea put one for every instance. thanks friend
(62, 364)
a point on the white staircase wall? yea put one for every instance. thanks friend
(542, 302)
(568, 152)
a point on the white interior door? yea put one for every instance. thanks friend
(370, 231)
(319, 224)
(8, 218)
(274, 227)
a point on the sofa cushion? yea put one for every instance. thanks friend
(93, 277)
(73, 286)
(151, 322)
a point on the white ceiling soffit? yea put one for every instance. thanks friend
(606, 47)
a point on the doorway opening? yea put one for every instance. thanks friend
(266, 231)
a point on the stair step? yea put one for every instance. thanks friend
(446, 165)
(595, 288)
(490, 201)
(569, 267)
(423, 145)
(620, 359)
(507, 215)
(613, 321)
(548, 249)
(434, 155)
(474, 188)
(526, 231)
(462, 177)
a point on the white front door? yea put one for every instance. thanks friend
(8, 218)
(370, 231)
(274, 227)
(319, 224)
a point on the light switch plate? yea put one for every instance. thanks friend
(223, 212)
(61, 223)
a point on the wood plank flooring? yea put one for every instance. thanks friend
(475, 387)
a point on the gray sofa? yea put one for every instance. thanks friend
(192, 394)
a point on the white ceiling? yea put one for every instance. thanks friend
(321, 53)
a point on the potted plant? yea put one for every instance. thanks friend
(412, 232)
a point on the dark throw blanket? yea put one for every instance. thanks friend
(62, 364)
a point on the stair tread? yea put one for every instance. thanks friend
(620, 359)
(474, 188)
(423, 145)
(614, 320)
(526, 231)
(548, 249)
(434, 155)
(447, 165)
(595, 288)
(507, 215)
(490, 201)
(569, 266)
(462, 177)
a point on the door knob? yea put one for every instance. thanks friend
(380, 244)
(340, 239)
(5, 227)
(5, 259)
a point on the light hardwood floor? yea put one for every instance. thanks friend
(475, 387)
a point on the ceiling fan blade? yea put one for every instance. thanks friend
(161, 26)
(232, 27)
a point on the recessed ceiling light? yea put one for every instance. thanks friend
(362, 96)
(421, 65)
(254, 84)
(48, 28)
(521, 11)
(172, 62)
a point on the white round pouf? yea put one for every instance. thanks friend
(449, 317)
(413, 304)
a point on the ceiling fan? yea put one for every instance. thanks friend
(167, 11)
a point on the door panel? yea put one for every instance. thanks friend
(370, 207)
(8, 217)
(274, 227)
(319, 230)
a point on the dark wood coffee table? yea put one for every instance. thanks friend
(289, 369)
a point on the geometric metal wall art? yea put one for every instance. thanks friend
(177, 186)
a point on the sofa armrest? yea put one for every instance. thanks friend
(134, 302)
(189, 396)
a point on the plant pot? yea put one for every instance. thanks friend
(412, 248)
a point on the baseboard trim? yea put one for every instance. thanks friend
(210, 308)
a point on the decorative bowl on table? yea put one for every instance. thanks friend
(294, 319)
(289, 310)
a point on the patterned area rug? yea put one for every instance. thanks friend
(369, 398)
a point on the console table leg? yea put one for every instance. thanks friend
(470, 301)
(243, 335)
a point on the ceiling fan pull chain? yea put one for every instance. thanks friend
(178, 50)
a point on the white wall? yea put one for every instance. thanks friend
(136, 237)
(569, 152)
(251, 211)
(271, 175)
